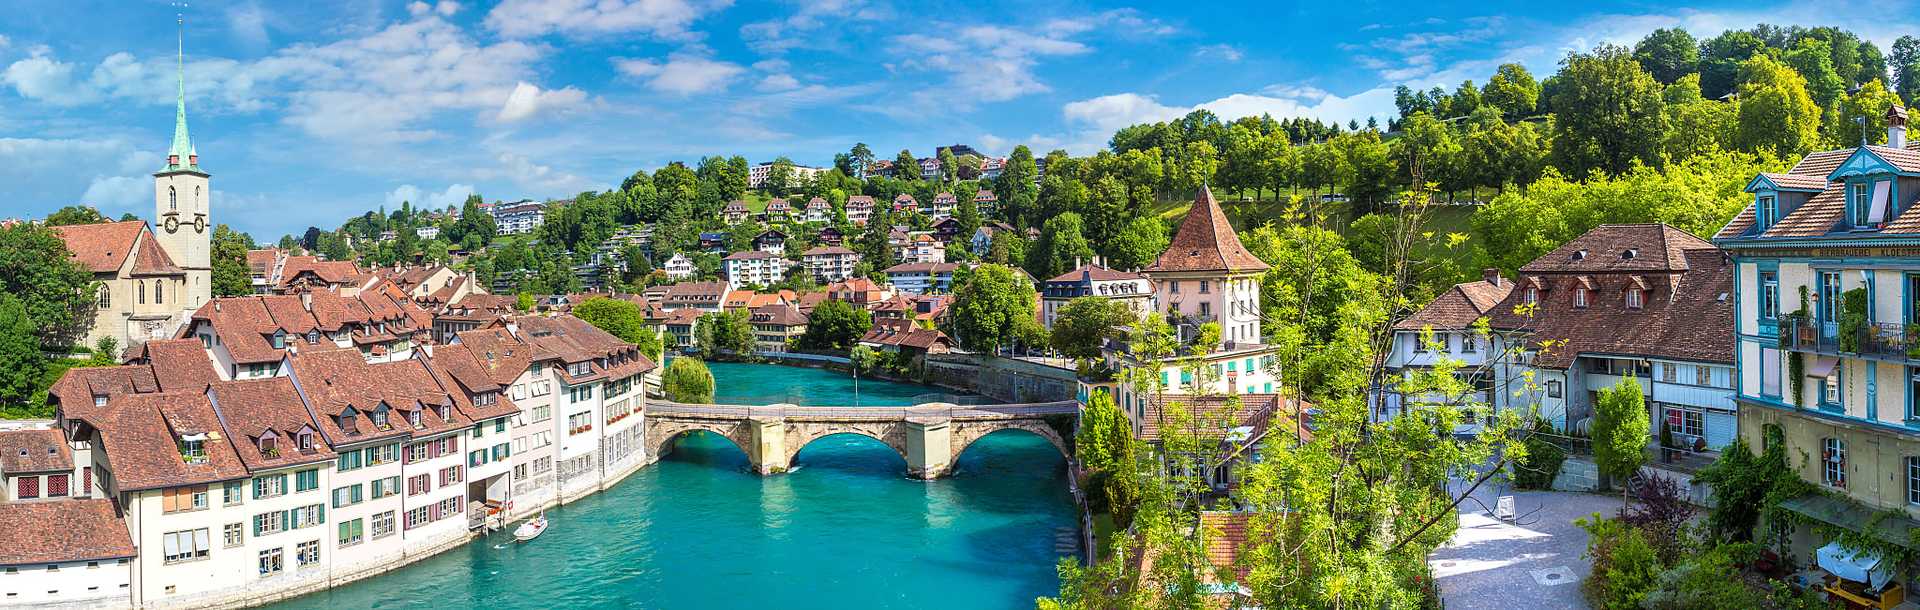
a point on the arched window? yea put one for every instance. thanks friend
(156, 292)
(173, 199)
(140, 290)
(196, 196)
(106, 297)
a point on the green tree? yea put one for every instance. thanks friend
(1777, 116)
(1813, 59)
(779, 177)
(619, 318)
(967, 214)
(835, 325)
(1512, 90)
(1720, 59)
(687, 380)
(75, 215)
(993, 309)
(949, 166)
(1138, 243)
(905, 167)
(56, 291)
(1620, 430)
(1608, 113)
(1905, 61)
(523, 302)
(1081, 328)
(1668, 54)
(22, 364)
(1063, 242)
(1862, 115)
(727, 331)
(1697, 126)
(231, 275)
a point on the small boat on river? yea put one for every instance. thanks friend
(531, 529)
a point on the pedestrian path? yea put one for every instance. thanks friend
(1531, 562)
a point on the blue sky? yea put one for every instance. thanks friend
(307, 114)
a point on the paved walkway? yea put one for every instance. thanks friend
(1532, 563)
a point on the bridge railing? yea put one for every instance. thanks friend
(864, 413)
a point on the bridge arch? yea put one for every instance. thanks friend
(661, 434)
(965, 434)
(799, 436)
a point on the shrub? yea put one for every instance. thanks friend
(1853, 319)
(1625, 565)
(1661, 511)
(1705, 582)
(1542, 462)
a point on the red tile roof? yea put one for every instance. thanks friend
(141, 433)
(1688, 311)
(1458, 307)
(1621, 248)
(253, 409)
(24, 451)
(179, 364)
(62, 531)
(102, 247)
(1206, 242)
(1097, 273)
(1226, 536)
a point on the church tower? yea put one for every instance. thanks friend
(181, 193)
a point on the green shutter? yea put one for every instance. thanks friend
(257, 522)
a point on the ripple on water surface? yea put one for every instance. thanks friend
(845, 529)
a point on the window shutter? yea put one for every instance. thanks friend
(258, 523)
(200, 542)
(168, 500)
(320, 513)
(170, 545)
(286, 520)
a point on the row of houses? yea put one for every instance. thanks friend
(167, 481)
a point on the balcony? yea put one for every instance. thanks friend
(1877, 339)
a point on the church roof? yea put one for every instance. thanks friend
(103, 247)
(1206, 242)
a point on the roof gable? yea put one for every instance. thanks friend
(1206, 242)
(1870, 160)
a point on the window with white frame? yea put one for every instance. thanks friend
(187, 545)
(1913, 480)
(383, 524)
(308, 553)
(272, 561)
(1636, 298)
(234, 534)
(1833, 462)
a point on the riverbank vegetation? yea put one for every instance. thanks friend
(687, 380)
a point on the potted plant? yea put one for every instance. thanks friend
(1853, 319)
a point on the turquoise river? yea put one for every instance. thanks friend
(846, 529)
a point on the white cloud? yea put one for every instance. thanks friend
(778, 82)
(526, 100)
(454, 194)
(41, 77)
(1223, 52)
(1108, 113)
(523, 171)
(446, 8)
(685, 72)
(119, 193)
(996, 62)
(667, 19)
(249, 24)
(806, 26)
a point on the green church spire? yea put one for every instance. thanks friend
(181, 154)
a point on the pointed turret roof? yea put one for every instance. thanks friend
(182, 155)
(1206, 242)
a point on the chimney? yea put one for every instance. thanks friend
(1896, 127)
(1491, 275)
(1076, 262)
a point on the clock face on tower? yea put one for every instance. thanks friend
(173, 224)
(199, 223)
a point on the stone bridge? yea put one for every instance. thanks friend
(929, 436)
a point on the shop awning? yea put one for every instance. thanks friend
(1855, 565)
(1822, 367)
(1841, 513)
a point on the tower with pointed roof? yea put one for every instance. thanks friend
(1205, 275)
(182, 220)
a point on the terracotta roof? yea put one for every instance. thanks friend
(1621, 247)
(1097, 273)
(903, 333)
(735, 206)
(826, 250)
(1226, 535)
(458, 367)
(331, 272)
(695, 292)
(1688, 315)
(142, 432)
(179, 364)
(1206, 242)
(336, 380)
(102, 247)
(1819, 215)
(62, 531)
(23, 451)
(932, 268)
(778, 315)
(1458, 307)
(261, 262)
(76, 389)
(1796, 181)
(151, 259)
(502, 355)
(253, 409)
(1213, 415)
(572, 340)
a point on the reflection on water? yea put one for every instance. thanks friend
(845, 529)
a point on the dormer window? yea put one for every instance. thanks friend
(1580, 298)
(306, 440)
(193, 449)
(1629, 254)
(1767, 210)
(279, 340)
(446, 413)
(378, 417)
(99, 400)
(269, 443)
(1636, 298)
(1533, 295)
(413, 417)
(313, 336)
(347, 418)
